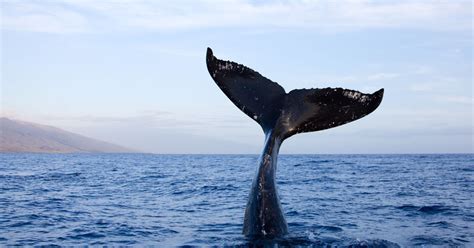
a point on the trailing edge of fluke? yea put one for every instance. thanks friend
(282, 115)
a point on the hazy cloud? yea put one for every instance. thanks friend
(163, 132)
(142, 116)
(95, 16)
(424, 87)
(423, 70)
(455, 99)
(49, 17)
(382, 76)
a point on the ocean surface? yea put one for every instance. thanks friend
(199, 200)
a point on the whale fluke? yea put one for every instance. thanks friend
(309, 110)
(302, 110)
(257, 96)
(282, 115)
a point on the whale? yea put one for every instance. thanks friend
(281, 115)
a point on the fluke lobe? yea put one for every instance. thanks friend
(281, 115)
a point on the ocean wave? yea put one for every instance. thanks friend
(199, 200)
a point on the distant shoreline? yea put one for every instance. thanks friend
(236, 154)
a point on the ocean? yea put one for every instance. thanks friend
(199, 200)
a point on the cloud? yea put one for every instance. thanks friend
(35, 17)
(99, 16)
(10, 113)
(171, 51)
(162, 132)
(382, 76)
(421, 87)
(423, 70)
(456, 99)
(199, 123)
(152, 119)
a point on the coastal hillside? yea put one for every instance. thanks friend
(20, 136)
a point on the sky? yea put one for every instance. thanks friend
(133, 72)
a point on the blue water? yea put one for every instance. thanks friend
(199, 200)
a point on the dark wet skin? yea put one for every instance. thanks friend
(281, 115)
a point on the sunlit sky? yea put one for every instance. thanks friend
(133, 72)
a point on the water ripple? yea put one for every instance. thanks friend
(199, 200)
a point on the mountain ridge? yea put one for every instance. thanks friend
(22, 136)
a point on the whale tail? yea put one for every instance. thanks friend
(281, 115)
(286, 114)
